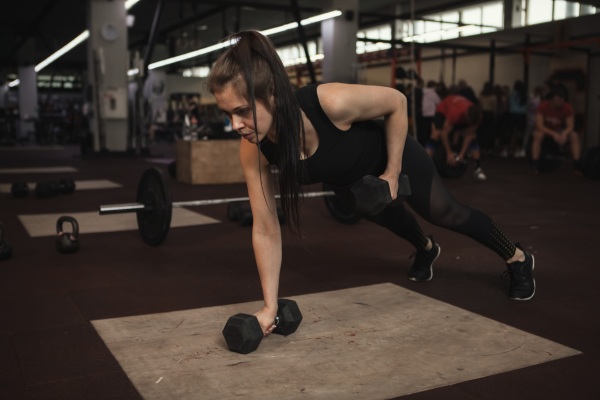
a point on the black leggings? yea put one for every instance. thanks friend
(431, 200)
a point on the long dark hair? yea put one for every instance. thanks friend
(256, 72)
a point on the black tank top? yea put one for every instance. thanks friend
(343, 157)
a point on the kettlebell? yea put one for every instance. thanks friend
(5, 248)
(67, 242)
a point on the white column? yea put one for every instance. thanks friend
(512, 14)
(28, 102)
(108, 62)
(339, 43)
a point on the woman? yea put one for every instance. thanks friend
(325, 133)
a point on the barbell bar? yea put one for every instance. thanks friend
(154, 207)
(135, 207)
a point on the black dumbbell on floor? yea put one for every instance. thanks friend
(372, 194)
(238, 211)
(5, 247)
(44, 190)
(243, 333)
(19, 189)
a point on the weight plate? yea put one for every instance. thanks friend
(445, 170)
(591, 163)
(341, 210)
(155, 220)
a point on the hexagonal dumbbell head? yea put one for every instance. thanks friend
(289, 316)
(403, 187)
(242, 333)
(371, 195)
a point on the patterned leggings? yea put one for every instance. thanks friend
(431, 200)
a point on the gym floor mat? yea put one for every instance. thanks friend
(374, 342)
(37, 170)
(38, 225)
(91, 184)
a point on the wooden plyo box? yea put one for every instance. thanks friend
(209, 161)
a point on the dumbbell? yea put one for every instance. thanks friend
(372, 194)
(44, 190)
(5, 248)
(19, 189)
(236, 211)
(243, 333)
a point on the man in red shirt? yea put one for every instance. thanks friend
(554, 118)
(457, 114)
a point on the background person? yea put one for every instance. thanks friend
(555, 119)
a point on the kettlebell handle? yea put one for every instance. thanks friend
(67, 242)
(74, 226)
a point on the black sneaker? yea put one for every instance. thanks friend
(422, 268)
(522, 284)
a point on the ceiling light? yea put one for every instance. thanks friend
(272, 31)
(68, 47)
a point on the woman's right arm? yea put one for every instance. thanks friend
(266, 232)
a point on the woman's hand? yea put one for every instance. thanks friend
(266, 319)
(392, 180)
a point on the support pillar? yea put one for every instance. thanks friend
(28, 103)
(107, 74)
(339, 43)
(512, 14)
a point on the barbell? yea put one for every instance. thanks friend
(154, 206)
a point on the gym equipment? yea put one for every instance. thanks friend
(235, 210)
(19, 189)
(445, 170)
(67, 242)
(238, 211)
(372, 194)
(5, 247)
(154, 206)
(550, 155)
(45, 190)
(342, 210)
(591, 163)
(172, 168)
(243, 333)
(66, 186)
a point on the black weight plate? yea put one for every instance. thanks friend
(445, 170)
(342, 210)
(155, 220)
(591, 163)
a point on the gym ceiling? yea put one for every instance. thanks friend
(31, 30)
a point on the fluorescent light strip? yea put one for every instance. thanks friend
(82, 37)
(438, 33)
(68, 47)
(268, 32)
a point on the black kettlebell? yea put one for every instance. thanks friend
(67, 242)
(5, 248)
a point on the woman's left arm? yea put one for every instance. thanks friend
(347, 103)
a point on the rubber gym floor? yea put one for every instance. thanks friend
(50, 350)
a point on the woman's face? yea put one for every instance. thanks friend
(239, 111)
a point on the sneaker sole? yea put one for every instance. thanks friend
(533, 293)
(430, 268)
